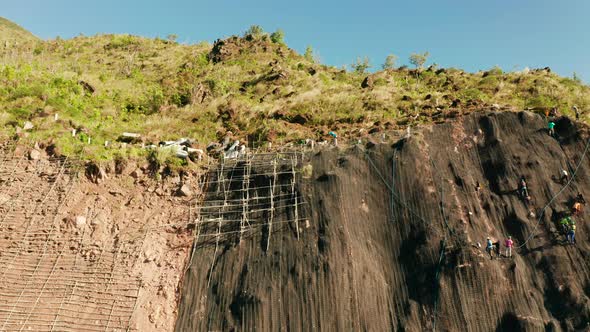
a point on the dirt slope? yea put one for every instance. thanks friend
(391, 242)
(82, 256)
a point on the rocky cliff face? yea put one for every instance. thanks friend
(387, 238)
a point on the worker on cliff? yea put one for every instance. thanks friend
(580, 199)
(333, 134)
(564, 223)
(490, 247)
(564, 176)
(577, 208)
(523, 190)
(571, 235)
(551, 127)
(497, 246)
(576, 112)
(509, 244)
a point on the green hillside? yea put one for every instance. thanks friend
(253, 85)
(12, 32)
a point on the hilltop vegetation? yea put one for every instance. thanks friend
(11, 33)
(253, 85)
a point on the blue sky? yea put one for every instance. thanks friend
(472, 35)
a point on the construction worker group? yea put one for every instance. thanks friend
(567, 224)
(494, 247)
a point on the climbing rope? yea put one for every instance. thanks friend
(391, 199)
(443, 248)
(437, 281)
(443, 245)
(571, 179)
(442, 195)
(393, 194)
(443, 242)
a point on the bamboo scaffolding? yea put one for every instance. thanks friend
(245, 198)
(197, 225)
(251, 228)
(280, 208)
(236, 211)
(252, 175)
(225, 194)
(238, 201)
(220, 176)
(294, 195)
(272, 205)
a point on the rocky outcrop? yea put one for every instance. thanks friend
(367, 82)
(232, 47)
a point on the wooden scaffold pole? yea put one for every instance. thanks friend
(272, 203)
(219, 222)
(294, 194)
(220, 180)
(245, 197)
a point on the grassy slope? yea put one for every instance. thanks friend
(155, 87)
(10, 31)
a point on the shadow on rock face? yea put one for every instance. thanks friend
(490, 128)
(421, 271)
(515, 227)
(566, 130)
(513, 323)
(510, 322)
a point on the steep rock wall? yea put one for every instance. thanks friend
(392, 233)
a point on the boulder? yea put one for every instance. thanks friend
(129, 138)
(374, 130)
(136, 173)
(95, 173)
(370, 144)
(34, 155)
(368, 82)
(199, 93)
(4, 198)
(299, 119)
(28, 125)
(185, 190)
(80, 221)
(87, 87)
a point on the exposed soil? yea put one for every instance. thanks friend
(76, 255)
